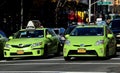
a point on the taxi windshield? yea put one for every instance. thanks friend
(30, 34)
(87, 32)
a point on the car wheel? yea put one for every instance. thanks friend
(1, 51)
(58, 51)
(45, 54)
(107, 53)
(1, 55)
(115, 52)
(67, 58)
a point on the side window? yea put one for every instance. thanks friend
(109, 31)
(50, 32)
(47, 32)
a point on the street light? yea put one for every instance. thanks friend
(21, 14)
(89, 9)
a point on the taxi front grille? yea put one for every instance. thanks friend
(17, 46)
(82, 46)
(88, 52)
(26, 53)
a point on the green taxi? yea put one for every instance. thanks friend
(89, 41)
(32, 42)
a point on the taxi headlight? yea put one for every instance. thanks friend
(67, 42)
(36, 44)
(99, 42)
(7, 46)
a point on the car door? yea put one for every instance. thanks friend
(2, 44)
(55, 40)
(52, 41)
(49, 40)
(112, 42)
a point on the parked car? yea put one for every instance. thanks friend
(3, 39)
(115, 27)
(90, 41)
(32, 42)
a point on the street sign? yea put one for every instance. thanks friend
(104, 3)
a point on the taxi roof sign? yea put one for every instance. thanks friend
(30, 25)
(99, 19)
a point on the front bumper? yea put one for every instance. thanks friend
(92, 51)
(23, 53)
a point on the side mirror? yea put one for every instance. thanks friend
(48, 36)
(66, 36)
(110, 35)
(11, 37)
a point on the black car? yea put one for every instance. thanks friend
(115, 27)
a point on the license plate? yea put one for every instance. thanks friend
(20, 52)
(80, 50)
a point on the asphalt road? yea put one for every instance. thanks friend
(59, 65)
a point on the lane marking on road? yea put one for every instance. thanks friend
(63, 64)
(115, 59)
(45, 60)
(31, 60)
(48, 72)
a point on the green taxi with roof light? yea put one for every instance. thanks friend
(89, 41)
(32, 42)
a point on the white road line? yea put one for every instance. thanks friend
(115, 59)
(48, 72)
(63, 64)
(43, 60)
(31, 60)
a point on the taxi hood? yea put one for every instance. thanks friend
(85, 39)
(25, 41)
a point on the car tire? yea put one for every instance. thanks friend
(58, 50)
(45, 54)
(107, 53)
(115, 53)
(1, 51)
(67, 58)
(1, 55)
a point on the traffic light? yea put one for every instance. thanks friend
(116, 2)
